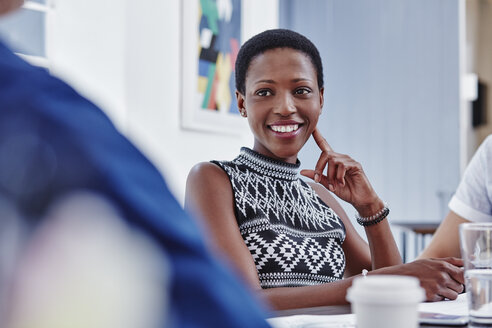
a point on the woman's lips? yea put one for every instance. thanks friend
(286, 130)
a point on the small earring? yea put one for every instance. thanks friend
(243, 112)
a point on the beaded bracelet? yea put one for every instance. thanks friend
(373, 219)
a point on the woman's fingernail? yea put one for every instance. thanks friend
(330, 187)
(316, 177)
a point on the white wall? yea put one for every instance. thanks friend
(86, 48)
(125, 55)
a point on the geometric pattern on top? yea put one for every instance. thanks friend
(294, 238)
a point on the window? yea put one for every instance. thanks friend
(25, 31)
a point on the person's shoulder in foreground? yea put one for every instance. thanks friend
(472, 202)
(53, 141)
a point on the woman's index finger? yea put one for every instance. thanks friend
(321, 141)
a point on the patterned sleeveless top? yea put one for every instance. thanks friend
(294, 237)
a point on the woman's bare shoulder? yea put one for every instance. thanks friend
(209, 177)
(208, 191)
(207, 172)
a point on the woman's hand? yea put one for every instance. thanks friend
(344, 177)
(441, 278)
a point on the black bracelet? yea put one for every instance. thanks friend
(383, 214)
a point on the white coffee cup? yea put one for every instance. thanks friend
(386, 301)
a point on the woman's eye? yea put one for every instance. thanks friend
(263, 93)
(302, 91)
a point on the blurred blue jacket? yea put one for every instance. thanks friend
(54, 141)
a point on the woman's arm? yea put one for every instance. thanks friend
(355, 248)
(209, 193)
(209, 196)
(441, 278)
(358, 253)
(346, 179)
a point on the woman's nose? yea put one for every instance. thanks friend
(285, 105)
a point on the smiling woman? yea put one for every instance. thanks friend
(278, 231)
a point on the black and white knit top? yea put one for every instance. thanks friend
(294, 237)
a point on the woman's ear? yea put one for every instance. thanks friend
(321, 99)
(240, 104)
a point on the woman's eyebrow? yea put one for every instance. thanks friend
(264, 81)
(301, 79)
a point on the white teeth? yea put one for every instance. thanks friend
(285, 128)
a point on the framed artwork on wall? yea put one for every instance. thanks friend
(211, 38)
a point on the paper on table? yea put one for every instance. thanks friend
(314, 321)
(456, 307)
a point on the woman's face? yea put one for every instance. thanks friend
(282, 101)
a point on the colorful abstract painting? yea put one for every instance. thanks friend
(219, 29)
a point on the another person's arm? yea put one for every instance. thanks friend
(446, 240)
(471, 202)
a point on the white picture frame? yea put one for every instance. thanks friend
(221, 119)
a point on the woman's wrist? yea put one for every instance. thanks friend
(370, 209)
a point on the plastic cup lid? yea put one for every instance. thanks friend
(386, 289)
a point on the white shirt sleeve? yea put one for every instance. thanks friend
(473, 198)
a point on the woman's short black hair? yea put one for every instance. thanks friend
(273, 39)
